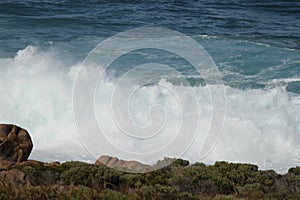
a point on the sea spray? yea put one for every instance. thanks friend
(262, 125)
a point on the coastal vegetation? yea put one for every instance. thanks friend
(180, 180)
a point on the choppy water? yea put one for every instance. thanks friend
(255, 45)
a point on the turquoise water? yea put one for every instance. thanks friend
(255, 45)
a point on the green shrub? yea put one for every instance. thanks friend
(295, 170)
(78, 180)
(181, 162)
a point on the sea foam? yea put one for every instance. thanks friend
(261, 125)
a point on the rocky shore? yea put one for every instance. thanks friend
(111, 178)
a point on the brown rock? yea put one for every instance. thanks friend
(15, 143)
(39, 163)
(31, 162)
(52, 164)
(4, 164)
(103, 160)
(116, 163)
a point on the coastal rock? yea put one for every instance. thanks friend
(4, 164)
(124, 165)
(52, 164)
(15, 143)
(31, 162)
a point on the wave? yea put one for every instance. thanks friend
(261, 125)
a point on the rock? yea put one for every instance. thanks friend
(52, 164)
(15, 143)
(116, 163)
(4, 164)
(39, 163)
(31, 162)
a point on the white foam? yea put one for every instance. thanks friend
(262, 125)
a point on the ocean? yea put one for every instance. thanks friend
(255, 46)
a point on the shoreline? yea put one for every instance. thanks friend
(57, 156)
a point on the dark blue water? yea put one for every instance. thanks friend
(255, 45)
(63, 21)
